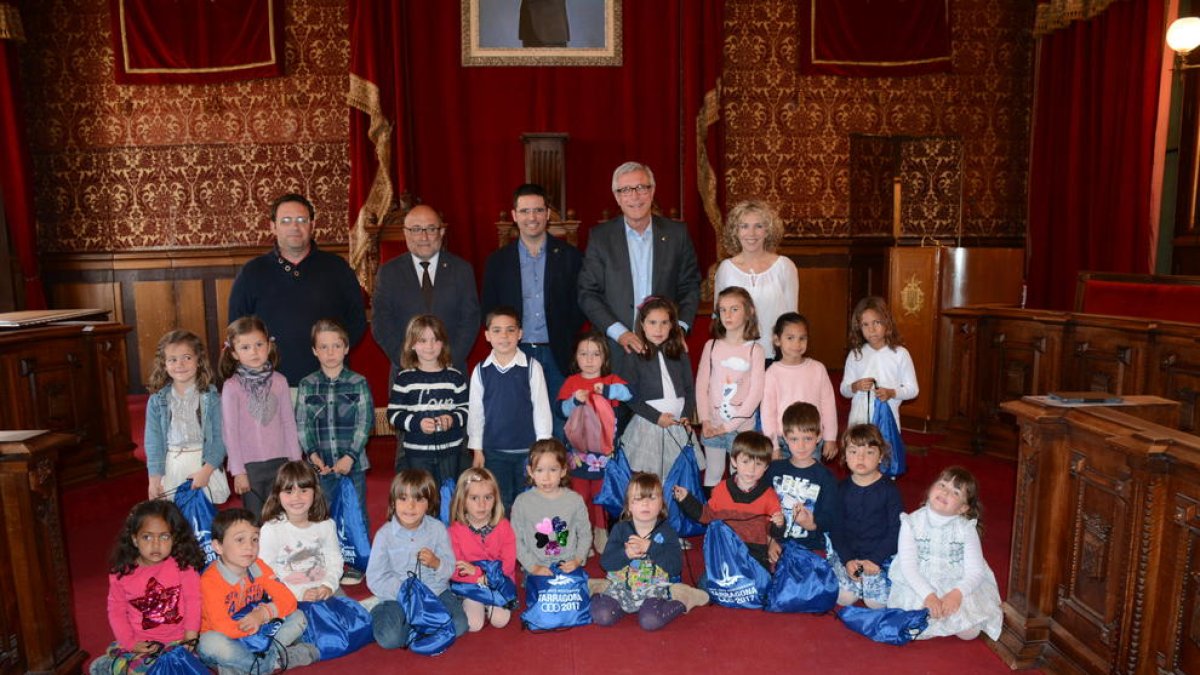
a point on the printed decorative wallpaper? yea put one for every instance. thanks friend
(788, 137)
(126, 167)
(123, 168)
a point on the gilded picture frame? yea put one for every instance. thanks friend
(541, 33)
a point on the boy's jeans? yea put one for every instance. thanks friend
(218, 649)
(391, 627)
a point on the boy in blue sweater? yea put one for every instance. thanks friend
(509, 408)
(806, 489)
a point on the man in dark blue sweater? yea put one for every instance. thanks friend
(294, 285)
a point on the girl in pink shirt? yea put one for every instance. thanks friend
(729, 379)
(153, 588)
(795, 377)
(479, 531)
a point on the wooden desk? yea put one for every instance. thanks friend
(70, 378)
(1106, 542)
(37, 617)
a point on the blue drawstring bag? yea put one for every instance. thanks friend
(352, 532)
(803, 583)
(557, 602)
(886, 423)
(431, 628)
(732, 577)
(259, 643)
(497, 590)
(889, 626)
(445, 497)
(337, 626)
(199, 512)
(177, 660)
(612, 489)
(686, 474)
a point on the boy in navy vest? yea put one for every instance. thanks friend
(509, 406)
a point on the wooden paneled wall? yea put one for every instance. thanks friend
(153, 292)
(825, 295)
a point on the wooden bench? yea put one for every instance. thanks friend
(1143, 296)
(1003, 353)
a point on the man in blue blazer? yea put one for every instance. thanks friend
(537, 274)
(632, 257)
(426, 280)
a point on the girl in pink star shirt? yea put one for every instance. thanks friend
(153, 588)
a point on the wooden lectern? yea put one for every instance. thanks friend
(37, 619)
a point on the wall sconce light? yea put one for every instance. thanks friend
(1183, 36)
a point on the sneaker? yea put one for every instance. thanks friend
(301, 654)
(351, 577)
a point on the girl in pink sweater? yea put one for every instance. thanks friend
(153, 588)
(795, 377)
(258, 424)
(729, 379)
(479, 531)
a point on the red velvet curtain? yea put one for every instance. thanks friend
(451, 134)
(1092, 153)
(466, 122)
(16, 176)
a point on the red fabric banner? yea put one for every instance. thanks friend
(1092, 156)
(196, 41)
(877, 38)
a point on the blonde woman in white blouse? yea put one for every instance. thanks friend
(752, 231)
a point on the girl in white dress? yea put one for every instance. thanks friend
(939, 564)
(752, 230)
(878, 365)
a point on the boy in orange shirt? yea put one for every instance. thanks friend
(239, 593)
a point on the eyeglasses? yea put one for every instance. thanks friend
(532, 212)
(288, 220)
(628, 189)
(419, 231)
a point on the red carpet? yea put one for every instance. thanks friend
(710, 639)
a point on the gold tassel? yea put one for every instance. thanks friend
(10, 23)
(364, 238)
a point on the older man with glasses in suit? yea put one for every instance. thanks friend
(425, 280)
(634, 256)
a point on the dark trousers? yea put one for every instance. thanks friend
(554, 381)
(262, 478)
(441, 464)
(509, 469)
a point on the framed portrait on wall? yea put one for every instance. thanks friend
(541, 32)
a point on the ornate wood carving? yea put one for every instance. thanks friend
(1123, 494)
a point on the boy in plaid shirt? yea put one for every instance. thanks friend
(335, 416)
